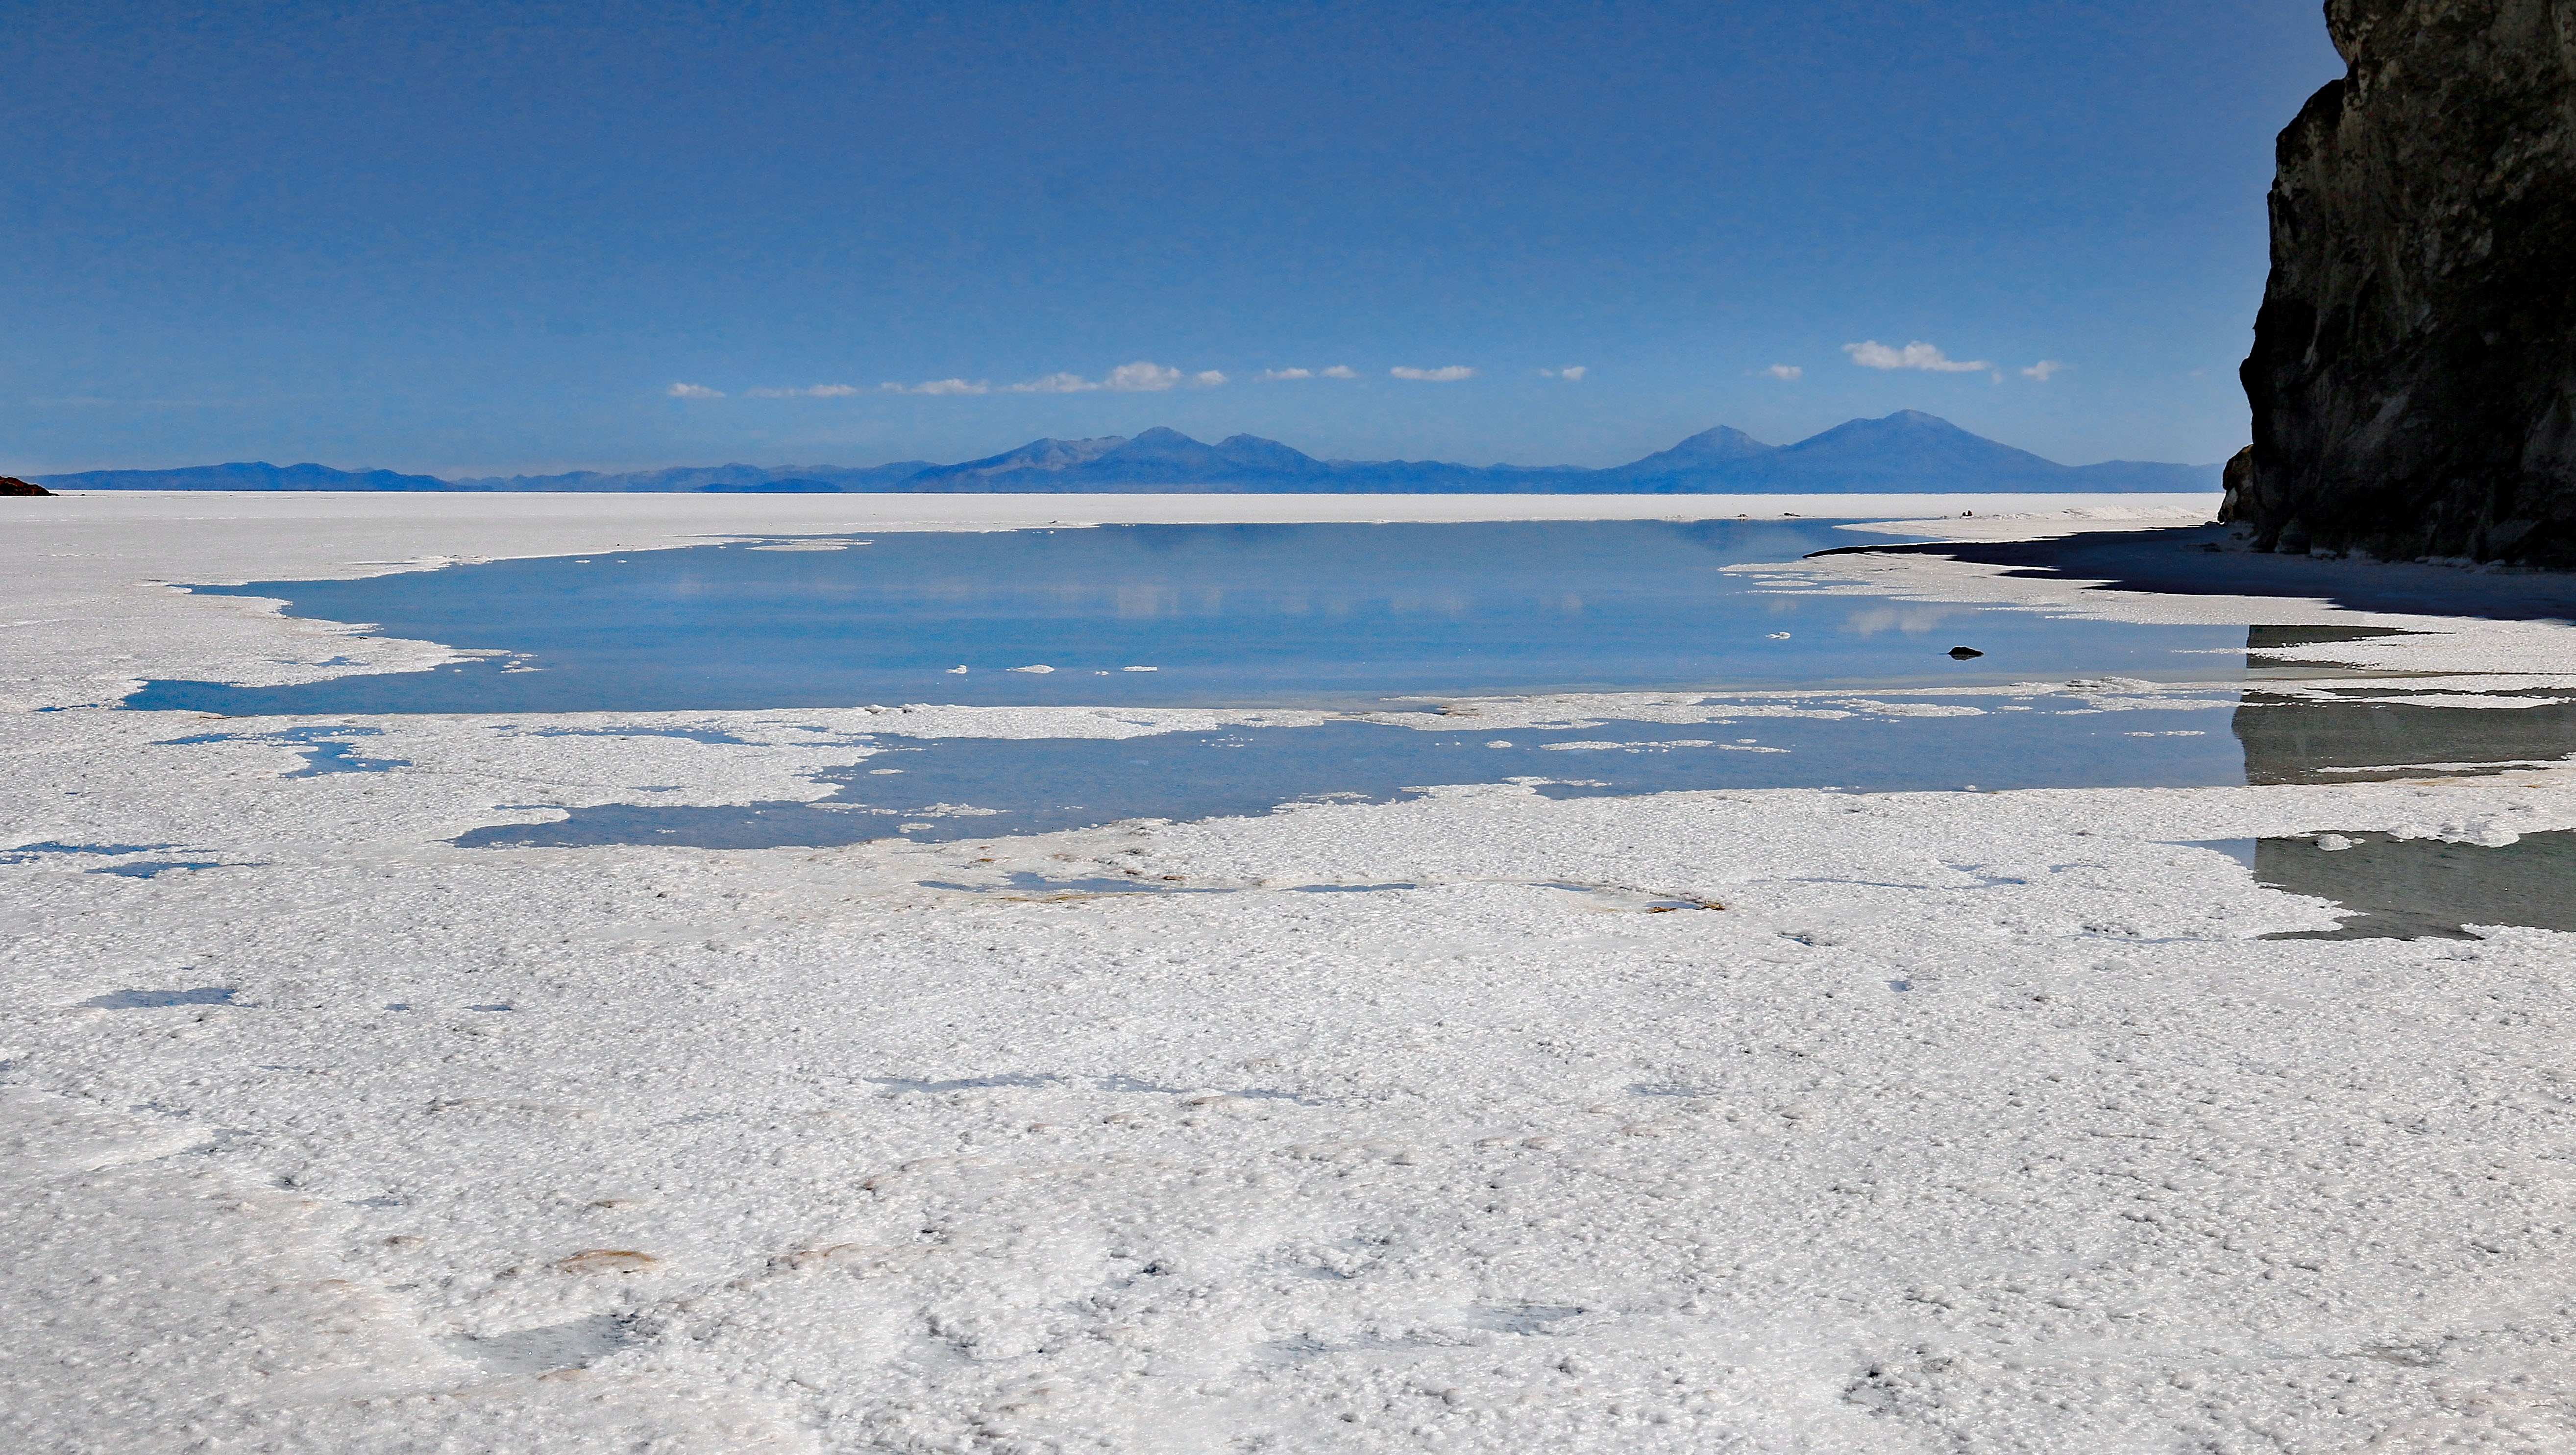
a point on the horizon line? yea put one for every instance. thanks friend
(455, 473)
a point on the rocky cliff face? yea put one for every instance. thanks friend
(2413, 378)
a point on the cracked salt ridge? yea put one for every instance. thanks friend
(1021, 885)
(1523, 1320)
(899, 1085)
(709, 736)
(1023, 882)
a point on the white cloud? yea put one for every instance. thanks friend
(1341, 371)
(1448, 374)
(1572, 374)
(1206, 379)
(1269, 374)
(1140, 377)
(693, 391)
(1871, 354)
(1053, 384)
(2044, 368)
(819, 391)
(1786, 373)
(938, 386)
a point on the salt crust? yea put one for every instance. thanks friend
(1520, 1157)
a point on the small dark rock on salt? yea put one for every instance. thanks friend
(12, 485)
(1961, 654)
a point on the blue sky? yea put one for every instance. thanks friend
(469, 237)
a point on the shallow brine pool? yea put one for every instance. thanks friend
(1231, 615)
(1766, 680)
(932, 789)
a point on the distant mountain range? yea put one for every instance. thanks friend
(1906, 452)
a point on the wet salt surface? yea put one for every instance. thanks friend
(30, 853)
(131, 868)
(148, 868)
(324, 747)
(1319, 614)
(955, 789)
(2329, 735)
(550, 1347)
(2408, 888)
(973, 788)
(159, 999)
(1316, 614)
(2416, 888)
(1555, 1158)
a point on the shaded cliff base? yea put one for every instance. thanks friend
(2217, 560)
(2520, 525)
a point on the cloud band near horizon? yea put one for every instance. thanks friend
(1871, 354)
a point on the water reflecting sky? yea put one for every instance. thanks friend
(933, 789)
(1223, 614)
(1343, 615)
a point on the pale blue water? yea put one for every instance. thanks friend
(975, 788)
(159, 999)
(131, 868)
(1337, 616)
(325, 751)
(1224, 615)
(28, 853)
(1316, 615)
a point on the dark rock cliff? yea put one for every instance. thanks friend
(2413, 378)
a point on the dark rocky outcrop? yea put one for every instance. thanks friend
(12, 485)
(2413, 378)
(2236, 481)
